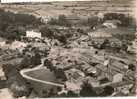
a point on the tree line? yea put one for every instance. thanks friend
(13, 25)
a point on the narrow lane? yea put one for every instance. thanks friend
(24, 71)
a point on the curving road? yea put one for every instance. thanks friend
(22, 72)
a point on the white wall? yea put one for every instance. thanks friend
(33, 34)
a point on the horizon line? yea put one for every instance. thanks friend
(36, 1)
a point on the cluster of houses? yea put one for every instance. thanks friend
(82, 64)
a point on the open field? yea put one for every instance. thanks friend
(81, 9)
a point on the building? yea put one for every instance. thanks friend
(111, 23)
(2, 74)
(100, 34)
(2, 42)
(133, 48)
(118, 78)
(33, 34)
(74, 74)
(45, 19)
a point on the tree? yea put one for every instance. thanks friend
(132, 67)
(62, 21)
(93, 21)
(36, 59)
(108, 90)
(14, 32)
(87, 90)
(60, 74)
(53, 21)
(15, 82)
(62, 39)
(49, 64)
(46, 32)
(25, 63)
(124, 47)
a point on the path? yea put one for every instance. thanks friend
(22, 72)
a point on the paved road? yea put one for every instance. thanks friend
(22, 72)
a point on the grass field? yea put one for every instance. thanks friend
(42, 74)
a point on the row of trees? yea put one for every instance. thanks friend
(95, 20)
(62, 21)
(125, 20)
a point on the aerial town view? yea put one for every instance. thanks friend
(68, 49)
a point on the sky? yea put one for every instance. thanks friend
(5, 1)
